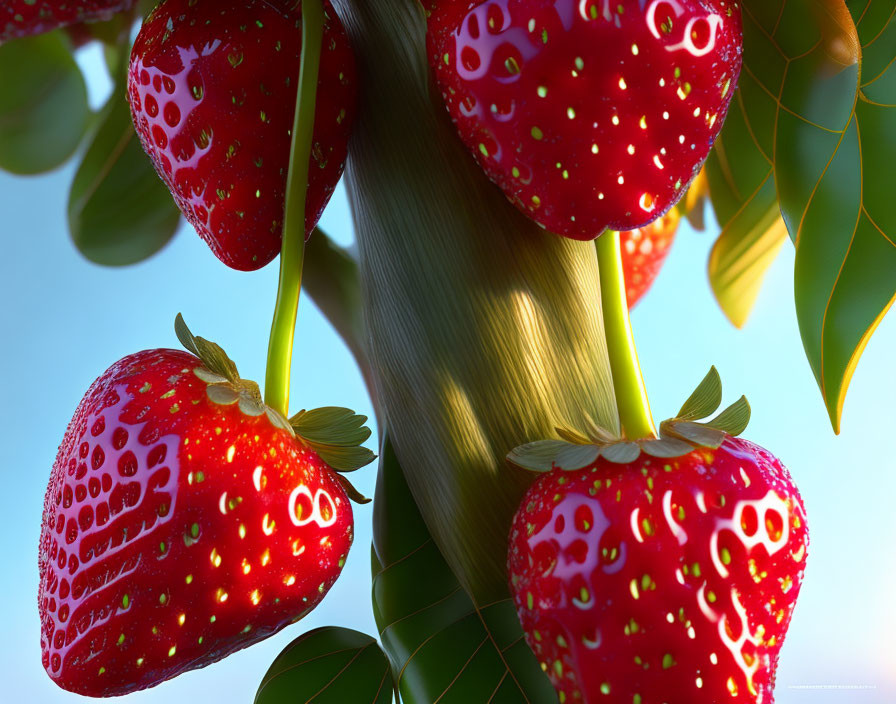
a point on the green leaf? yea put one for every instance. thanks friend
(328, 666)
(443, 647)
(742, 190)
(336, 434)
(705, 399)
(43, 104)
(831, 80)
(119, 211)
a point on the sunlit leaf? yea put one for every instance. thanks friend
(742, 189)
(119, 211)
(43, 104)
(328, 666)
(442, 646)
(814, 125)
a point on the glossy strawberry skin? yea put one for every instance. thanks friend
(588, 114)
(662, 581)
(212, 88)
(19, 18)
(177, 530)
(644, 252)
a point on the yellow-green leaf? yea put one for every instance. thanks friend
(741, 180)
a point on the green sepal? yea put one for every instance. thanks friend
(679, 436)
(705, 399)
(351, 491)
(336, 434)
(212, 355)
(734, 419)
(537, 456)
(224, 385)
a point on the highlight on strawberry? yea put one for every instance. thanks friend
(185, 520)
(588, 114)
(659, 570)
(212, 87)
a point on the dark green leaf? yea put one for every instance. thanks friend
(328, 666)
(442, 646)
(705, 399)
(43, 104)
(119, 211)
(830, 80)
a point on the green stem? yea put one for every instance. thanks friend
(628, 384)
(292, 255)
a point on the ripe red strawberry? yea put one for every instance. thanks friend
(661, 580)
(212, 87)
(588, 114)
(643, 253)
(22, 18)
(183, 521)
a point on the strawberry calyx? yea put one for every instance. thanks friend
(678, 436)
(336, 434)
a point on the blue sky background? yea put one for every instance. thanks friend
(64, 321)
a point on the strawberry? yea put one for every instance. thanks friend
(183, 521)
(588, 114)
(212, 87)
(23, 18)
(643, 253)
(640, 577)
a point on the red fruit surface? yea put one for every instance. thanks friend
(212, 87)
(177, 530)
(23, 18)
(588, 114)
(643, 253)
(661, 581)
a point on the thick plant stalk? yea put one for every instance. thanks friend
(483, 330)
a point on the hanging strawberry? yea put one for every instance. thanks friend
(588, 114)
(23, 18)
(212, 88)
(184, 520)
(662, 570)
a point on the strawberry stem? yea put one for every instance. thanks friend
(292, 255)
(628, 383)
